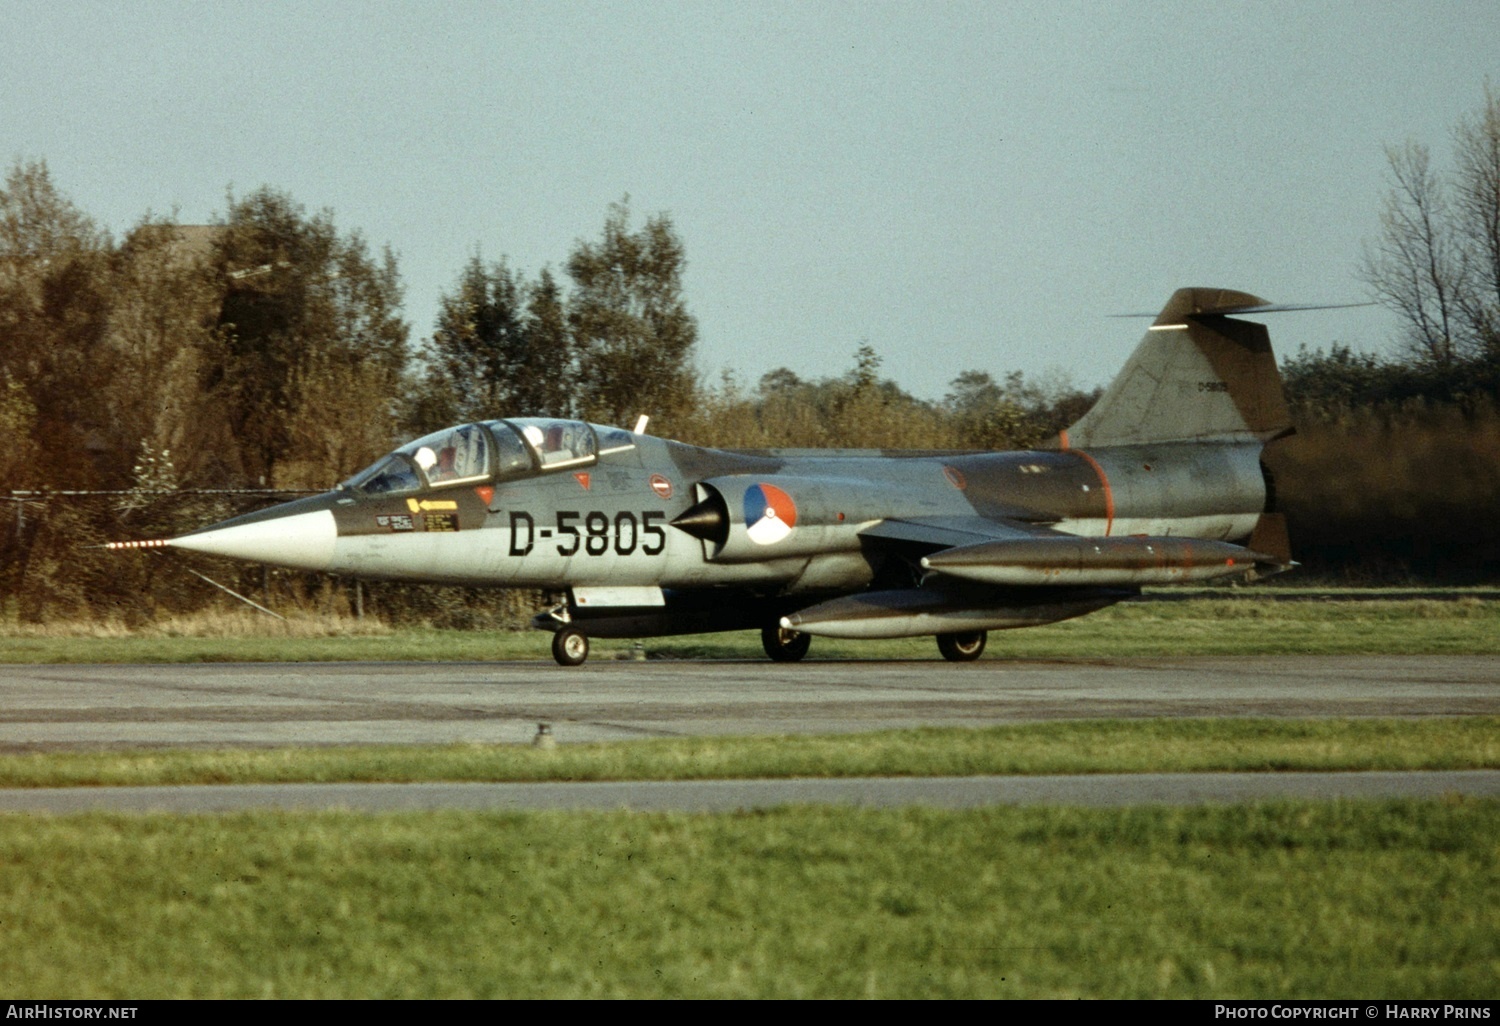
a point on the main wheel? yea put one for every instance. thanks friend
(570, 647)
(784, 644)
(962, 648)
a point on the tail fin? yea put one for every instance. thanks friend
(1197, 376)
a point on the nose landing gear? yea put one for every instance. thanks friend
(570, 646)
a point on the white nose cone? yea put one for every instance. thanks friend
(301, 540)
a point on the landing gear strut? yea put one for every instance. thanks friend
(962, 648)
(570, 646)
(784, 644)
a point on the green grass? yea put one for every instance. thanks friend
(1104, 746)
(1229, 626)
(1280, 900)
(1276, 900)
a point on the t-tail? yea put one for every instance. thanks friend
(1199, 375)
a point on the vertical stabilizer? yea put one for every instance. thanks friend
(1199, 375)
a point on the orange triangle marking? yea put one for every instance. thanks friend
(583, 479)
(486, 493)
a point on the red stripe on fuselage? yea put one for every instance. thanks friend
(1109, 493)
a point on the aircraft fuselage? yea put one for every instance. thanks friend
(1161, 482)
(610, 524)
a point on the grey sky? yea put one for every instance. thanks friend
(962, 185)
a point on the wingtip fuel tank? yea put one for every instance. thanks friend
(1116, 562)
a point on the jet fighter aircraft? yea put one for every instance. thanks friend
(1160, 482)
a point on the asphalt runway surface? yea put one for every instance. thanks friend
(60, 707)
(64, 706)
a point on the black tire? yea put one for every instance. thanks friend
(570, 647)
(962, 648)
(784, 644)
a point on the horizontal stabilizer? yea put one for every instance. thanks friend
(1219, 306)
(1133, 561)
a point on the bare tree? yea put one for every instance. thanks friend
(1477, 204)
(1412, 267)
(1436, 262)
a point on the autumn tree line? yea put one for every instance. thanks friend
(1394, 474)
(184, 373)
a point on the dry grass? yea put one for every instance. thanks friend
(210, 624)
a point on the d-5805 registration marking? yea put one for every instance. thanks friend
(593, 533)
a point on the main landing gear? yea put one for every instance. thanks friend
(570, 646)
(783, 644)
(962, 648)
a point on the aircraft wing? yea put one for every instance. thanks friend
(946, 532)
(952, 600)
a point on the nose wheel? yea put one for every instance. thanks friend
(962, 648)
(570, 646)
(784, 644)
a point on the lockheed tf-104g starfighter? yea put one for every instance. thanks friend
(1160, 482)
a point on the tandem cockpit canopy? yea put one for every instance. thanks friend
(498, 450)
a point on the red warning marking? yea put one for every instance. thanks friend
(1109, 493)
(485, 493)
(661, 486)
(583, 479)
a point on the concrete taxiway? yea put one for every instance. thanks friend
(50, 708)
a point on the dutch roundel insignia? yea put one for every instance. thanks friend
(770, 514)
